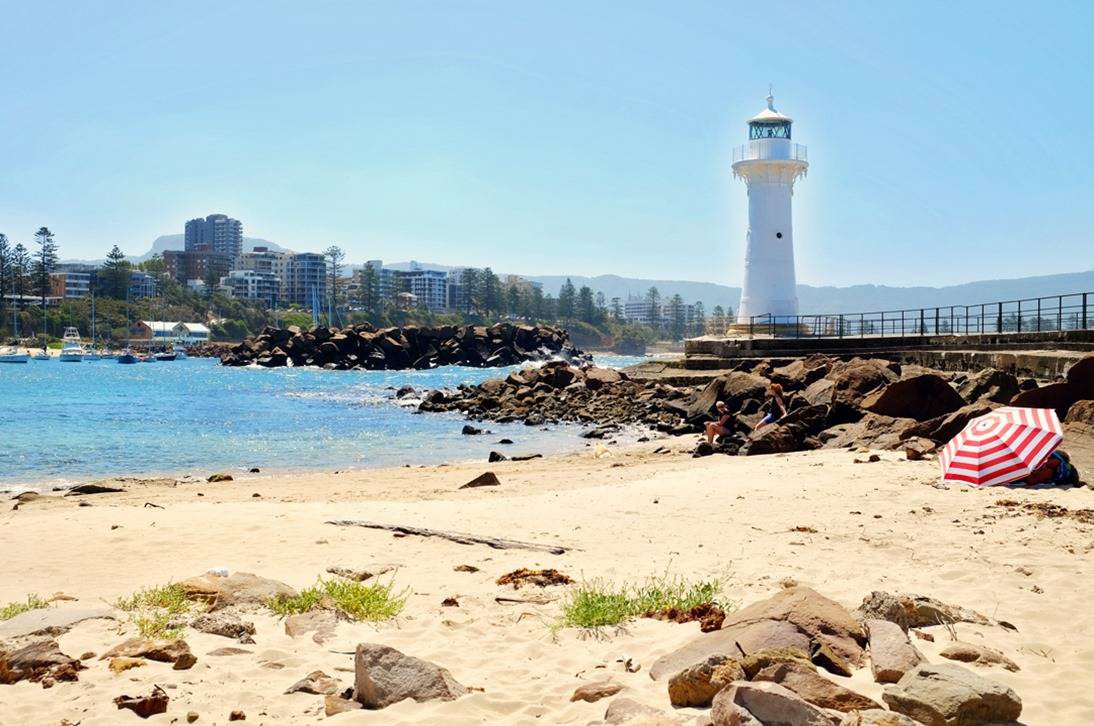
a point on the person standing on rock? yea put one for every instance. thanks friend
(721, 426)
(774, 407)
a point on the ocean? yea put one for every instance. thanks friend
(66, 423)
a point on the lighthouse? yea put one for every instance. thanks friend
(769, 163)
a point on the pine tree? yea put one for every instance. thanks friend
(335, 256)
(567, 298)
(586, 308)
(491, 292)
(5, 273)
(700, 318)
(20, 271)
(116, 273)
(513, 300)
(653, 300)
(469, 282)
(679, 317)
(45, 261)
(369, 291)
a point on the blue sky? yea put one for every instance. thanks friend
(948, 141)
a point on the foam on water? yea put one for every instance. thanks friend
(65, 423)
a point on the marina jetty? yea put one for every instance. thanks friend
(400, 348)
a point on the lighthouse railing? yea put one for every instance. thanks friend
(1055, 313)
(771, 150)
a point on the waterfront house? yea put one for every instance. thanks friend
(191, 332)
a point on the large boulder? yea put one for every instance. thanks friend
(943, 428)
(1080, 418)
(990, 384)
(696, 686)
(920, 397)
(874, 431)
(858, 377)
(1057, 396)
(1080, 376)
(733, 388)
(764, 703)
(596, 378)
(891, 653)
(815, 688)
(383, 676)
(36, 661)
(798, 374)
(877, 717)
(795, 617)
(949, 695)
(773, 439)
(235, 589)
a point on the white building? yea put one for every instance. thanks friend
(769, 163)
(252, 285)
(191, 332)
(640, 310)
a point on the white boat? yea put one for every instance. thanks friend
(179, 350)
(92, 354)
(40, 356)
(11, 354)
(72, 350)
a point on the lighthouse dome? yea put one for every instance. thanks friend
(769, 123)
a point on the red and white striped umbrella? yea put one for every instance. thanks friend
(1002, 446)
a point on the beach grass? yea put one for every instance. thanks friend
(157, 626)
(152, 610)
(374, 602)
(598, 603)
(33, 602)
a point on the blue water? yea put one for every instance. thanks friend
(62, 423)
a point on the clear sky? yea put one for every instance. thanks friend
(948, 141)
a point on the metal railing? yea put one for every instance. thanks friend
(763, 150)
(1038, 314)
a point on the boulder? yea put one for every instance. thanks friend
(990, 384)
(949, 695)
(697, 685)
(624, 710)
(815, 688)
(235, 589)
(800, 373)
(224, 623)
(760, 660)
(50, 621)
(873, 431)
(796, 617)
(320, 622)
(383, 676)
(877, 717)
(486, 479)
(732, 388)
(882, 605)
(921, 397)
(1058, 396)
(36, 661)
(1080, 376)
(855, 379)
(597, 378)
(334, 705)
(943, 428)
(145, 706)
(917, 448)
(1080, 418)
(891, 653)
(977, 654)
(165, 651)
(773, 439)
(766, 703)
(316, 683)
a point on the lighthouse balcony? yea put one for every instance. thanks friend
(771, 150)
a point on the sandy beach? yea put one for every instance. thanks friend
(626, 514)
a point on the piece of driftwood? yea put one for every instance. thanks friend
(495, 542)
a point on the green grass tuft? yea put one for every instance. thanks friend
(373, 602)
(156, 625)
(33, 602)
(170, 597)
(598, 603)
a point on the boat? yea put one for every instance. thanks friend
(11, 354)
(165, 355)
(126, 357)
(179, 350)
(72, 350)
(92, 354)
(41, 356)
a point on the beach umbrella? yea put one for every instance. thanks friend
(1002, 446)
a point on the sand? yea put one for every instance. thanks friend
(628, 514)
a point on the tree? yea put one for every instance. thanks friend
(157, 268)
(567, 298)
(653, 301)
(586, 308)
(700, 318)
(718, 321)
(537, 307)
(601, 305)
(679, 317)
(617, 309)
(20, 271)
(513, 300)
(115, 277)
(45, 261)
(369, 292)
(335, 256)
(469, 284)
(5, 273)
(491, 292)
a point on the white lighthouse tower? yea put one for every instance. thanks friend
(769, 163)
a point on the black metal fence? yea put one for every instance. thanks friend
(1039, 314)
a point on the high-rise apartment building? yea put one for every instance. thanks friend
(217, 233)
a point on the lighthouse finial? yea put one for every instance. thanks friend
(771, 96)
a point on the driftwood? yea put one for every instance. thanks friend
(495, 542)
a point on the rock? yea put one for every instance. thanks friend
(921, 397)
(365, 573)
(1058, 396)
(316, 683)
(37, 661)
(469, 430)
(877, 717)
(751, 636)
(978, 654)
(925, 611)
(214, 478)
(766, 703)
(872, 431)
(696, 686)
(50, 621)
(165, 651)
(815, 688)
(91, 489)
(827, 654)
(593, 692)
(145, 706)
(753, 663)
(917, 448)
(596, 378)
(384, 676)
(627, 711)
(119, 665)
(237, 715)
(815, 615)
(496, 456)
(800, 373)
(236, 589)
(881, 605)
(185, 662)
(891, 653)
(224, 623)
(229, 651)
(949, 695)
(943, 428)
(1079, 419)
(1080, 376)
(321, 622)
(853, 380)
(775, 439)
(334, 705)
(733, 388)
(192, 716)
(990, 384)
(702, 449)
(486, 479)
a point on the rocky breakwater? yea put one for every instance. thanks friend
(363, 346)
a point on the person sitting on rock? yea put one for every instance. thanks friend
(774, 407)
(721, 427)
